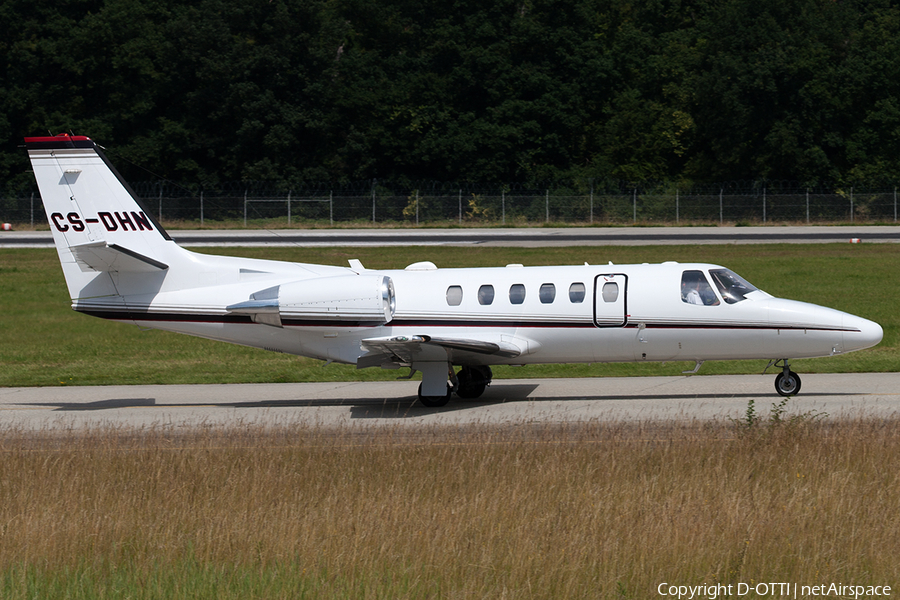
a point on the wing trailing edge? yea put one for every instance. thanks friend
(404, 350)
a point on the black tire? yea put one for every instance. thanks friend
(787, 385)
(471, 390)
(473, 381)
(433, 401)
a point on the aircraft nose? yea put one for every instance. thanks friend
(860, 333)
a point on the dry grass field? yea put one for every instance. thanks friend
(589, 511)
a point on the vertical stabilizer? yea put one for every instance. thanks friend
(99, 226)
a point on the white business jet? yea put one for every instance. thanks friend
(120, 264)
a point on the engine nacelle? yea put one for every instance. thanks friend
(356, 298)
(348, 297)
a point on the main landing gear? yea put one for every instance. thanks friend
(472, 381)
(469, 382)
(787, 383)
(434, 401)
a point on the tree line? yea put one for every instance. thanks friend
(680, 91)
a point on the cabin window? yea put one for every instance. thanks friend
(516, 293)
(610, 291)
(695, 289)
(732, 286)
(454, 295)
(576, 293)
(547, 293)
(485, 294)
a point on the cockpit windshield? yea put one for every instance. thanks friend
(732, 286)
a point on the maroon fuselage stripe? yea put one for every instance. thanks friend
(467, 323)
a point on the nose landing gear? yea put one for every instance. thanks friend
(787, 383)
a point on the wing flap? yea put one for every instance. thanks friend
(399, 349)
(405, 350)
(504, 349)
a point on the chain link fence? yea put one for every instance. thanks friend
(256, 204)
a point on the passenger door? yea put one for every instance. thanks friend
(610, 300)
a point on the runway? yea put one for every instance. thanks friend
(519, 237)
(509, 401)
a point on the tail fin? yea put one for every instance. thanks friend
(99, 225)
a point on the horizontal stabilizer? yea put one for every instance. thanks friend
(100, 256)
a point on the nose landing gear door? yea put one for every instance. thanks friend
(610, 300)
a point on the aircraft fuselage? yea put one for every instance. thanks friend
(120, 264)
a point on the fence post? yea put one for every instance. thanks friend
(807, 206)
(503, 204)
(331, 207)
(851, 204)
(764, 205)
(677, 209)
(201, 208)
(460, 206)
(373, 200)
(289, 207)
(895, 203)
(592, 201)
(245, 208)
(32, 208)
(160, 202)
(547, 207)
(721, 192)
(417, 208)
(634, 207)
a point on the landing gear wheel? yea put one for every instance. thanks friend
(473, 390)
(787, 383)
(433, 401)
(473, 381)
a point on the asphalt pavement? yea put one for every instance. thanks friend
(507, 401)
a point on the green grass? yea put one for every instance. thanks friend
(44, 343)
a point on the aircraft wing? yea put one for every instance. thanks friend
(404, 350)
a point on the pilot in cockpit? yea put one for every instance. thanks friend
(691, 294)
(696, 290)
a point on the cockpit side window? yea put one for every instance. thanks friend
(732, 286)
(695, 289)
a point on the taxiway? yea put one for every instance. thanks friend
(507, 401)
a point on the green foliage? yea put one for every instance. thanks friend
(778, 420)
(220, 90)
